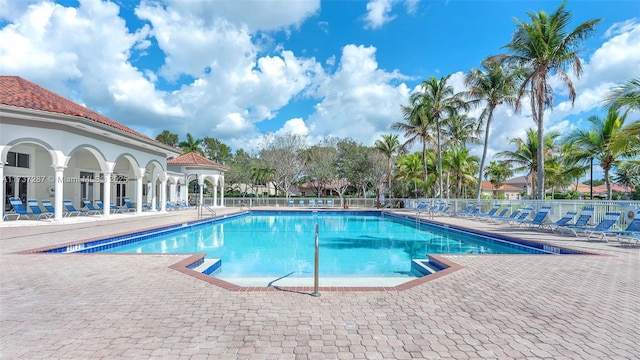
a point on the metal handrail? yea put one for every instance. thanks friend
(200, 212)
(316, 293)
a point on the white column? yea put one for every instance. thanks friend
(215, 194)
(163, 195)
(154, 200)
(201, 186)
(173, 197)
(58, 186)
(107, 193)
(222, 192)
(139, 193)
(2, 190)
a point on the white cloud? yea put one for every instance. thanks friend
(294, 126)
(378, 13)
(358, 100)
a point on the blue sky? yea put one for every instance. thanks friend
(236, 69)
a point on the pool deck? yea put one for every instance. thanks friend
(82, 306)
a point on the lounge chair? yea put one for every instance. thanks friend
(19, 208)
(563, 221)
(49, 207)
(72, 209)
(36, 211)
(330, 203)
(610, 218)
(312, 203)
(90, 209)
(632, 231)
(319, 202)
(301, 203)
(464, 211)
(114, 208)
(127, 204)
(291, 203)
(499, 215)
(489, 213)
(514, 214)
(473, 213)
(524, 214)
(539, 219)
(583, 219)
(170, 206)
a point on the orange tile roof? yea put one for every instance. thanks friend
(192, 158)
(486, 185)
(18, 92)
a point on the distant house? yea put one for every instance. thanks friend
(510, 192)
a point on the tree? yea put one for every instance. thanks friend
(461, 164)
(460, 130)
(191, 145)
(284, 154)
(167, 137)
(525, 156)
(495, 86)
(626, 95)
(497, 173)
(595, 142)
(438, 100)
(545, 47)
(410, 169)
(320, 164)
(417, 126)
(239, 172)
(390, 147)
(216, 150)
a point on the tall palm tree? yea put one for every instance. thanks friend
(595, 142)
(461, 165)
(416, 126)
(495, 86)
(390, 146)
(626, 95)
(438, 100)
(524, 158)
(191, 145)
(545, 47)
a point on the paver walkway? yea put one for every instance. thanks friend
(86, 306)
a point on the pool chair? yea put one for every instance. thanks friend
(301, 203)
(291, 203)
(514, 214)
(90, 209)
(583, 219)
(72, 209)
(19, 208)
(312, 203)
(330, 203)
(319, 202)
(629, 233)
(610, 218)
(170, 206)
(49, 207)
(538, 220)
(473, 213)
(127, 205)
(563, 221)
(491, 212)
(521, 217)
(464, 211)
(497, 215)
(36, 211)
(114, 208)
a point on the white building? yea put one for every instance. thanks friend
(52, 148)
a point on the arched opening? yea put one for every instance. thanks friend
(84, 175)
(123, 179)
(28, 173)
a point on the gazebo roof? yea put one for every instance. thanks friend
(194, 159)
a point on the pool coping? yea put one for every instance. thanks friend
(187, 264)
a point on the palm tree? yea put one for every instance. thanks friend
(167, 137)
(191, 145)
(595, 142)
(546, 47)
(497, 173)
(461, 165)
(459, 130)
(409, 169)
(525, 156)
(390, 146)
(626, 95)
(438, 100)
(495, 86)
(417, 126)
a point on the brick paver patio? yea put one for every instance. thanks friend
(86, 306)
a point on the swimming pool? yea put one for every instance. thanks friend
(264, 246)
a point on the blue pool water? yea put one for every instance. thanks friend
(275, 244)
